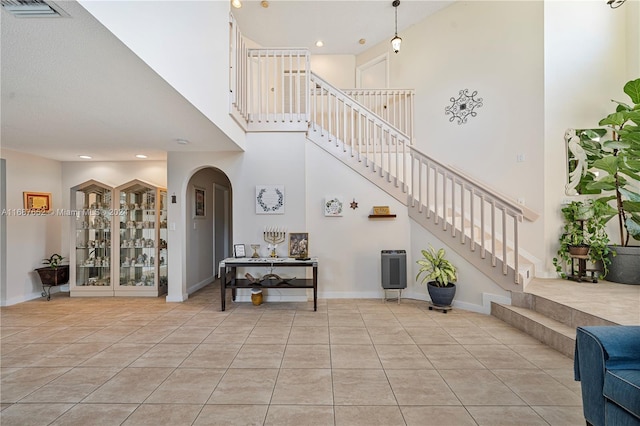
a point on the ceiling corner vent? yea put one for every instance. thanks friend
(33, 9)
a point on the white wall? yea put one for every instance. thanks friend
(185, 42)
(338, 70)
(585, 67)
(349, 246)
(496, 49)
(30, 238)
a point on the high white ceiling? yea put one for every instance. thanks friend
(70, 87)
(339, 24)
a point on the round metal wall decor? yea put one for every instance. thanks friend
(463, 106)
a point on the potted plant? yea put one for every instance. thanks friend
(584, 233)
(54, 273)
(440, 275)
(619, 159)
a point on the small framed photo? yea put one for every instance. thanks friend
(238, 250)
(37, 201)
(199, 202)
(298, 244)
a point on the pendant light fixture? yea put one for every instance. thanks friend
(396, 41)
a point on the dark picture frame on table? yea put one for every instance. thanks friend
(298, 244)
(239, 250)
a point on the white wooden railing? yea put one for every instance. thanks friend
(274, 89)
(357, 130)
(476, 215)
(268, 86)
(393, 105)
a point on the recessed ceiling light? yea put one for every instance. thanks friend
(362, 41)
(264, 3)
(236, 3)
(141, 156)
(182, 141)
(85, 157)
(319, 43)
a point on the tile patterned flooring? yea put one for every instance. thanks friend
(618, 303)
(115, 361)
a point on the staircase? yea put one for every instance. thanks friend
(274, 89)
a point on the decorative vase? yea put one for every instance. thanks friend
(441, 296)
(625, 265)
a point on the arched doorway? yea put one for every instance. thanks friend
(208, 226)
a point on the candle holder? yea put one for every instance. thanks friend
(274, 236)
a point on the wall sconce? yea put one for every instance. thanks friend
(396, 41)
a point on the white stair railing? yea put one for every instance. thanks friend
(393, 105)
(357, 130)
(469, 211)
(268, 86)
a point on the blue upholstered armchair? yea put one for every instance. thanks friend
(607, 363)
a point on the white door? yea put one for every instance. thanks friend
(373, 74)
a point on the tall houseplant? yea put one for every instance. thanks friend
(439, 274)
(619, 159)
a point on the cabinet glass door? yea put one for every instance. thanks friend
(92, 240)
(142, 260)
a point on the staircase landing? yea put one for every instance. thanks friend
(551, 309)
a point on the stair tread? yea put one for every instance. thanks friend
(544, 320)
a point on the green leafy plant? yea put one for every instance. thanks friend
(436, 267)
(54, 261)
(619, 158)
(584, 225)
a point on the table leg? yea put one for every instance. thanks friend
(223, 287)
(315, 288)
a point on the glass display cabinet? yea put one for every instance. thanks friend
(142, 240)
(91, 239)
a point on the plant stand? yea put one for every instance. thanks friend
(443, 309)
(51, 277)
(582, 268)
(46, 290)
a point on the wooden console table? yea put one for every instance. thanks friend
(229, 279)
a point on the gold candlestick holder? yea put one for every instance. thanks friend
(274, 236)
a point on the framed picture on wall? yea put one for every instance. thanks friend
(200, 203)
(37, 201)
(270, 199)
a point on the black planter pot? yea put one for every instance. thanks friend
(441, 296)
(625, 266)
(54, 276)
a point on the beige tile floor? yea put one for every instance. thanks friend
(618, 303)
(124, 361)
